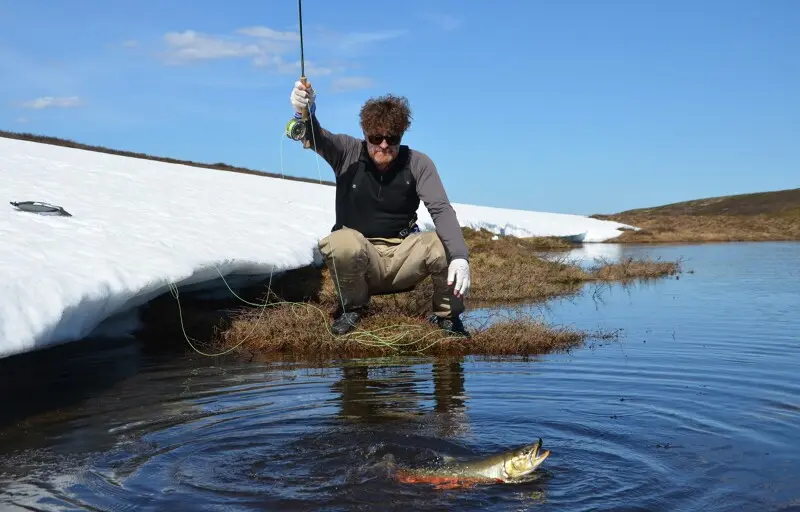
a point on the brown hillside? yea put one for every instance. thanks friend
(757, 203)
(760, 216)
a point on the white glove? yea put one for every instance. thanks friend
(459, 272)
(302, 97)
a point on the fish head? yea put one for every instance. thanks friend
(523, 461)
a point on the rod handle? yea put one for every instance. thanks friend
(304, 112)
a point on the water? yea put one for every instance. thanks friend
(697, 407)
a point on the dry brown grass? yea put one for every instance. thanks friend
(481, 240)
(630, 269)
(756, 217)
(510, 270)
(507, 271)
(302, 331)
(784, 226)
(757, 203)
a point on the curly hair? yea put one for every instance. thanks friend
(386, 115)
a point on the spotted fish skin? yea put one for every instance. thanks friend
(510, 466)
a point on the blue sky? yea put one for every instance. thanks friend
(577, 107)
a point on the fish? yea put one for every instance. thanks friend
(515, 465)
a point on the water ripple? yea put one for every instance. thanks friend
(695, 408)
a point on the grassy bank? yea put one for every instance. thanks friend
(506, 272)
(762, 216)
(510, 270)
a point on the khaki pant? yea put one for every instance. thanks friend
(367, 267)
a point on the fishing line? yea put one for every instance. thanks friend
(364, 337)
(372, 338)
(296, 129)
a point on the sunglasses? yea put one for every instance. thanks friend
(392, 140)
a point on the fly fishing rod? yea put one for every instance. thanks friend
(297, 127)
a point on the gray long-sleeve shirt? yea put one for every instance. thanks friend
(342, 150)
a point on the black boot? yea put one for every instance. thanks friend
(346, 321)
(452, 325)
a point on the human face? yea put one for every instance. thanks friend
(383, 148)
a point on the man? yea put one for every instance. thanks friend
(375, 246)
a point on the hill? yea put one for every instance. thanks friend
(742, 204)
(758, 216)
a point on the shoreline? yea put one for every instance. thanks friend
(508, 274)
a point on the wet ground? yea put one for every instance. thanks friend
(696, 407)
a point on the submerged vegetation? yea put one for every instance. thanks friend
(506, 272)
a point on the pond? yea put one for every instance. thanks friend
(695, 407)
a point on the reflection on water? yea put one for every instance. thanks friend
(588, 255)
(695, 409)
(253, 435)
(379, 394)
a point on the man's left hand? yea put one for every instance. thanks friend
(459, 273)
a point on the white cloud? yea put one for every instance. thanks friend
(53, 102)
(130, 43)
(21, 120)
(263, 46)
(190, 46)
(272, 49)
(349, 83)
(268, 33)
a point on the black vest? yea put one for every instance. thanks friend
(377, 204)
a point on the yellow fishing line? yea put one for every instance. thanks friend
(371, 338)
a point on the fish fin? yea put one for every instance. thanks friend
(455, 485)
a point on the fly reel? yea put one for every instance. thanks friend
(296, 128)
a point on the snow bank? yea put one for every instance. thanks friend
(139, 225)
(523, 223)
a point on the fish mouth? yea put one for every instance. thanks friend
(538, 455)
(522, 470)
